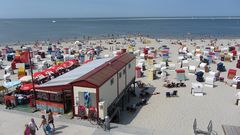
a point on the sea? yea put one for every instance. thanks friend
(27, 30)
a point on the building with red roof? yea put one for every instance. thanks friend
(98, 85)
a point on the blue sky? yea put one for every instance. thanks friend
(117, 8)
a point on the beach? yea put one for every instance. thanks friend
(170, 116)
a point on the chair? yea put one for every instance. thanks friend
(174, 94)
(199, 131)
(168, 94)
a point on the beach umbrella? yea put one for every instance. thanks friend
(26, 78)
(75, 62)
(87, 61)
(49, 71)
(67, 64)
(11, 84)
(39, 75)
(27, 86)
(56, 68)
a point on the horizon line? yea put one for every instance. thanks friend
(194, 17)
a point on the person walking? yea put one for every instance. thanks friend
(238, 98)
(33, 127)
(44, 124)
(50, 118)
(27, 130)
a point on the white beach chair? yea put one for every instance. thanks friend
(197, 89)
(192, 69)
(185, 64)
(6, 76)
(202, 66)
(158, 67)
(210, 81)
(171, 66)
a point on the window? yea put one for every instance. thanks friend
(124, 71)
(120, 74)
(42, 96)
(129, 65)
(112, 81)
(56, 97)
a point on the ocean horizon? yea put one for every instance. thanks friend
(53, 29)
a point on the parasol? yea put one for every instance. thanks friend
(39, 75)
(26, 79)
(27, 86)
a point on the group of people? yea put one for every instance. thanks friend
(31, 127)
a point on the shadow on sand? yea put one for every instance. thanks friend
(57, 130)
(127, 116)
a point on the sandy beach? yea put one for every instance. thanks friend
(173, 116)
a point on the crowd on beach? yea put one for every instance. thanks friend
(114, 45)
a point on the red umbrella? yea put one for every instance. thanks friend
(67, 64)
(49, 71)
(27, 86)
(56, 68)
(39, 75)
(87, 61)
(75, 62)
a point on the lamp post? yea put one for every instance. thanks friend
(31, 70)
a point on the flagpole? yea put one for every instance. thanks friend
(31, 70)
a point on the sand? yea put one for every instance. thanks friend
(174, 116)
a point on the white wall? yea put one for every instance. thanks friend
(78, 95)
(108, 92)
(121, 80)
(131, 71)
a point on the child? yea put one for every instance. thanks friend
(27, 130)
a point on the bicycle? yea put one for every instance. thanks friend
(96, 121)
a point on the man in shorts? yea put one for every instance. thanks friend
(50, 118)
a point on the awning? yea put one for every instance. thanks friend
(27, 86)
(48, 91)
(11, 84)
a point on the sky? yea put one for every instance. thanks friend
(117, 8)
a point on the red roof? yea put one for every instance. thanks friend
(100, 75)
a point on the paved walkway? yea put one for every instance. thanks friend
(12, 123)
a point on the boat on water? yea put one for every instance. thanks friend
(53, 21)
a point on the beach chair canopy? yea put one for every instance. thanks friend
(199, 74)
(197, 87)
